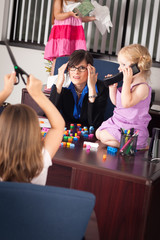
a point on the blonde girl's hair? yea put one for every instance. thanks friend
(138, 54)
(20, 144)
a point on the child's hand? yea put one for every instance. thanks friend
(113, 85)
(9, 81)
(34, 86)
(92, 76)
(127, 75)
(108, 75)
(73, 14)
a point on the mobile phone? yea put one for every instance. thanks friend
(119, 76)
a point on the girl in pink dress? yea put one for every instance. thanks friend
(67, 33)
(132, 101)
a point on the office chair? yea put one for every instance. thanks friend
(103, 67)
(33, 212)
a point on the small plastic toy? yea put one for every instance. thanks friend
(111, 150)
(93, 146)
(91, 129)
(72, 135)
(90, 136)
(104, 157)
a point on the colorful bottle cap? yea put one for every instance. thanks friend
(72, 145)
(91, 129)
(65, 138)
(64, 144)
(70, 139)
(91, 135)
(75, 139)
(71, 126)
(79, 133)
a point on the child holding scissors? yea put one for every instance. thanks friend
(24, 157)
(132, 101)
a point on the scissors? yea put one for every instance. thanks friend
(19, 71)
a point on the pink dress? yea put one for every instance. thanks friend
(136, 117)
(66, 36)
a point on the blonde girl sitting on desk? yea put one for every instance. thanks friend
(24, 157)
(132, 101)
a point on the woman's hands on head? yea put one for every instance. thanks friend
(61, 77)
(91, 82)
(92, 76)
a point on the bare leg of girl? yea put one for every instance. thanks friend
(107, 138)
(53, 67)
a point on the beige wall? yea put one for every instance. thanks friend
(30, 60)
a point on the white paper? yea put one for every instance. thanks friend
(53, 80)
(102, 14)
(44, 122)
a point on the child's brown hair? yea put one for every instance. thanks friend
(20, 144)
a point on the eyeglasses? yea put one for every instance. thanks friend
(80, 68)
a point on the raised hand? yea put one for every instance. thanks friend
(92, 76)
(61, 77)
(9, 81)
(34, 86)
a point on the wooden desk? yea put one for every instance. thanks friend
(127, 190)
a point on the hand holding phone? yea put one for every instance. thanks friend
(119, 76)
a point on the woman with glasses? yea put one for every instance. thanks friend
(84, 100)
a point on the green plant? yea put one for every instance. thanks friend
(48, 66)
